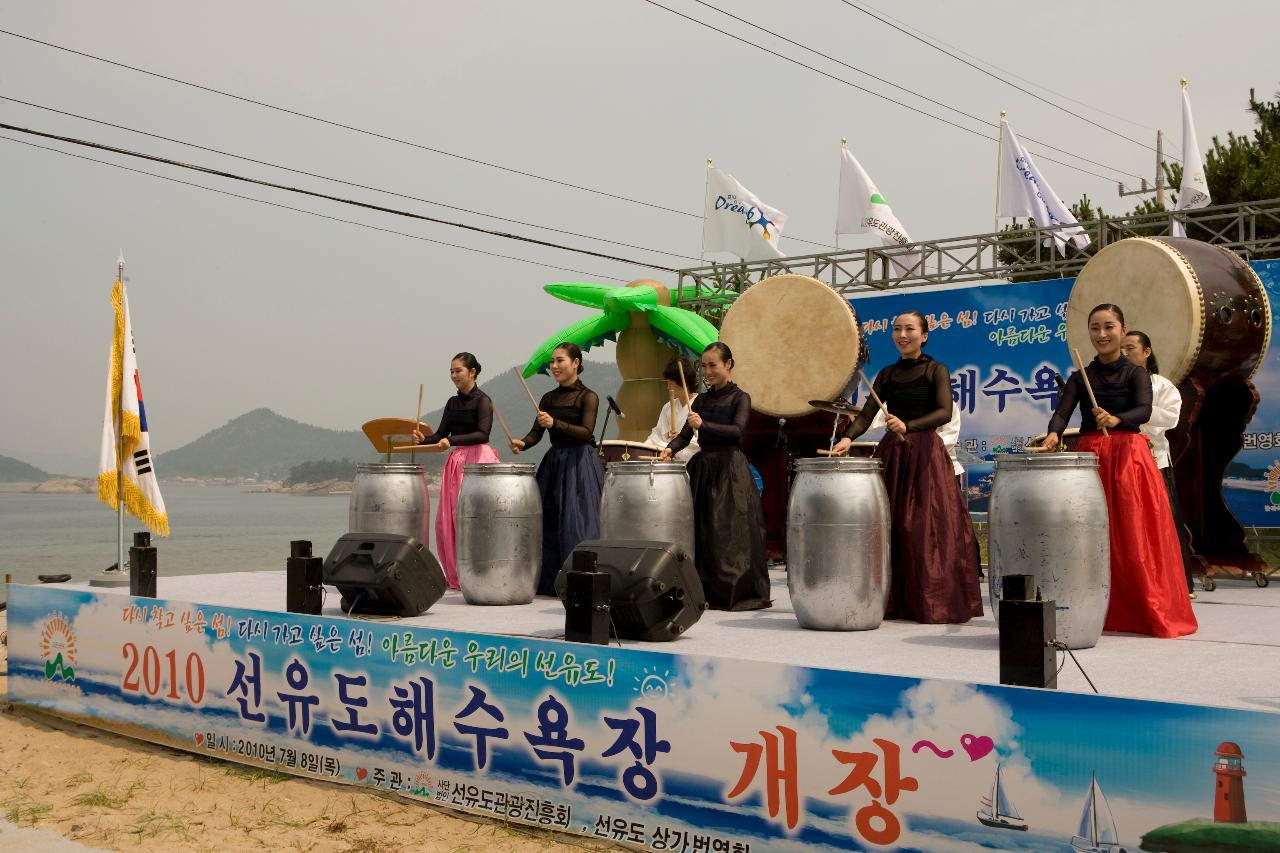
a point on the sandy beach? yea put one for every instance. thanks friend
(112, 793)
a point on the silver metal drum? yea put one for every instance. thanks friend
(390, 497)
(838, 544)
(499, 533)
(648, 500)
(1048, 519)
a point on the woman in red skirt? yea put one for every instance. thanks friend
(932, 550)
(1148, 594)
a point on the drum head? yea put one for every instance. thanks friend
(1158, 291)
(794, 339)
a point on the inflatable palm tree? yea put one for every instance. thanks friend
(648, 329)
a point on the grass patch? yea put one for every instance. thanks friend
(255, 774)
(28, 812)
(153, 824)
(80, 779)
(106, 797)
(366, 845)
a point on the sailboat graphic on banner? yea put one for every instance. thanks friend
(997, 809)
(1097, 833)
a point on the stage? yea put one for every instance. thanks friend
(1233, 660)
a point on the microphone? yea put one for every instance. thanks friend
(613, 406)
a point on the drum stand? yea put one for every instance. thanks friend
(1209, 435)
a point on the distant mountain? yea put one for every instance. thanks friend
(266, 445)
(261, 444)
(16, 471)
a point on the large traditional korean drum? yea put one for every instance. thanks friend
(648, 501)
(390, 497)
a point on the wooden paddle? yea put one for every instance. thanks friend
(1087, 385)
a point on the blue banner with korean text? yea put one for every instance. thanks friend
(1004, 343)
(659, 750)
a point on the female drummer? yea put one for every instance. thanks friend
(570, 477)
(728, 533)
(1147, 591)
(676, 411)
(1166, 407)
(464, 426)
(933, 552)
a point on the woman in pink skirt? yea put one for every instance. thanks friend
(464, 427)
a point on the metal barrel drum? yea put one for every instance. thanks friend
(499, 533)
(648, 500)
(1048, 519)
(838, 544)
(390, 497)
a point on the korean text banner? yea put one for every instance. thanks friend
(664, 751)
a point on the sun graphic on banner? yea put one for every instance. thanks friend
(653, 685)
(58, 648)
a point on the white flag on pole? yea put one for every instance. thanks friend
(1193, 192)
(1025, 192)
(124, 397)
(861, 209)
(735, 220)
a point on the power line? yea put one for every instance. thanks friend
(380, 208)
(374, 134)
(339, 180)
(852, 85)
(995, 76)
(307, 212)
(923, 97)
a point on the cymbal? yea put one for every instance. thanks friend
(836, 407)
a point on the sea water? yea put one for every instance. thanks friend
(213, 529)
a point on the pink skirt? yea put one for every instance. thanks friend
(447, 508)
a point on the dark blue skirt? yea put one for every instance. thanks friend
(571, 481)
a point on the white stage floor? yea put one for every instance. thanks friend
(1232, 661)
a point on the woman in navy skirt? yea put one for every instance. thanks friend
(570, 477)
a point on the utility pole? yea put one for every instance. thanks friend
(1145, 188)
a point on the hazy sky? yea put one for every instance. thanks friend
(238, 305)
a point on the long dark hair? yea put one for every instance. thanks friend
(1153, 366)
(468, 361)
(574, 352)
(1114, 309)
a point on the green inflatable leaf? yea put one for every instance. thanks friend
(691, 330)
(585, 333)
(579, 293)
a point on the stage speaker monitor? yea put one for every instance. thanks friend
(654, 591)
(586, 601)
(1027, 631)
(384, 573)
(304, 579)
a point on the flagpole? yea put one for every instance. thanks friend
(119, 368)
(843, 143)
(995, 229)
(706, 185)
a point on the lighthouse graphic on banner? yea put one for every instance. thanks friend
(1228, 798)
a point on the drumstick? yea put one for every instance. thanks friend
(417, 417)
(683, 385)
(532, 401)
(1087, 386)
(875, 398)
(501, 422)
(673, 415)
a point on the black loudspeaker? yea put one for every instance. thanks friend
(304, 579)
(142, 566)
(384, 573)
(1027, 631)
(586, 601)
(654, 591)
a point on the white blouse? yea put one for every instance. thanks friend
(1166, 406)
(662, 433)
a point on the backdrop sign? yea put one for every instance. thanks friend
(663, 751)
(1004, 343)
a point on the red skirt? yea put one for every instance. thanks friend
(1148, 590)
(933, 550)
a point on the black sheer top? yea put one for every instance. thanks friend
(915, 390)
(574, 409)
(467, 420)
(1122, 388)
(724, 414)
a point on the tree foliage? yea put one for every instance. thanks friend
(321, 470)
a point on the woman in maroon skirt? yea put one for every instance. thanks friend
(1148, 593)
(933, 552)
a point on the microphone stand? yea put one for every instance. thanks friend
(608, 410)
